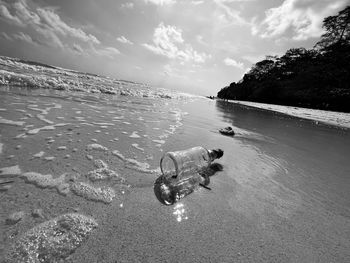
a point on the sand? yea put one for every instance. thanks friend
(282, 195)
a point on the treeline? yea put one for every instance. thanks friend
(316, 78)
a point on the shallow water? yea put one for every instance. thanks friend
(282, 195)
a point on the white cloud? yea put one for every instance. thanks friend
(161, 2)
(233, 1)
(24, 37)
(47, 24)
(24, 13)
(110, 52)
(233, 63)
(304, 18)
(168, 41)
(226, 15)
(200, 40)
(127, 5)
(6, 15)
(197, 2)
(253, 58)
(48, 37)
(124, 40)
(51, 19)
(5, 36)
(77, 48)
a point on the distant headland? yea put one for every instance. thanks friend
(318, 78)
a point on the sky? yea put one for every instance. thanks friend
(194, 46)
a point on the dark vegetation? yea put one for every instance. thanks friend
(316, 78)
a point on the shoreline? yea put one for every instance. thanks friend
(333, 118)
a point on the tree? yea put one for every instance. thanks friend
(337, 30)
(316, 78)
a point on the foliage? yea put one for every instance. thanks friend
(315, 78)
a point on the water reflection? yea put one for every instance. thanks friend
(168, 191)
(180, 212)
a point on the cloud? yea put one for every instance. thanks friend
(110, 52)
(45, 22)
(233, 1)
(227, 15)
(124, 40)
(127, 5)
(253, 58)
(50, 38)
(24, 13)
(200, 40)
(168, 42)
(3, 35)
(233, 63)
(197, 2)
(6, 15)
(52, 20)
(24, 37)
(303, 18)
(78, 48)
(161, 2)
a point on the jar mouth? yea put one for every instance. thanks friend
(172, 157)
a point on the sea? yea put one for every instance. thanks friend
(80, 154)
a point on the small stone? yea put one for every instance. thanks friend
(67, 156)
(89, 157)
(15, 218)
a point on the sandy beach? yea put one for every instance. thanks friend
(91, 162)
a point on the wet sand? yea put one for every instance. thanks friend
(281, 197)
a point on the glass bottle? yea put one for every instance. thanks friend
(183, 172)
(181, 164)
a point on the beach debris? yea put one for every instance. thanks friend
(227, 131)
(99, 194)
(49, 158)
(15, 217)
(53, 240)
